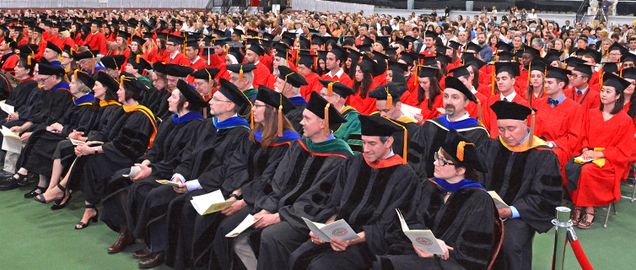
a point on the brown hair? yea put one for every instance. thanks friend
(269, 127)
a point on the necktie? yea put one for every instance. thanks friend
(553, 102)
(505, 100)
(579, 92)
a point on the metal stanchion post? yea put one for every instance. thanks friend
(561, 223)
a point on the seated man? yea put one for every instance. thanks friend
(368, 188)
(526, 175)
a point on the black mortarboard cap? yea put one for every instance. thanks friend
(454, 83)
(376, 125)
(191, 95)
(205, 73)
(306, 59)
(510, 67)
(339, 52)
(591, 53)
(317, 105)
(558, 73)
(628, 57)
(48, 69)
(291, 77)
(107, 81)
(178, 70)
(463, 150)
(159, 67)
(510, 110)
(430, 34)
(629, 73)
(274, 99)
(238, 68)
(460, 71)
(383, 40)
(231, 92)
(584, 68)
(428, 72)
(113, 61)
(611, 79)
(393, 65)
(55, 48)
(256, 49)
(395, 89)
(340, 89)
(84, 78)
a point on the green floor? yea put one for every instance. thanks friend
(33, 237)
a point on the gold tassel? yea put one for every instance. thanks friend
(600, 79)
(389, 99)
(185, 42)
(121, 80)
(251, 119)
(29, 60)
(330, 88)
(415, 81)
(620, 71)
(532, 123)
(326, 120)
(529, 71)
(241, 73)
(137, 58)
(460, 149)
(209, 75)
(279, 130)
(75, 73)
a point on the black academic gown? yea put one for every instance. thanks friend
(250, 163)
(366, 198)
(415, 145)
(38, 154)
(21, 99)
(169, 149)
(434, 133)
(152, 220)
(131, 136)
(299, 171)
(530, 180)
(53, 107)
(468, 221)
(295, 116)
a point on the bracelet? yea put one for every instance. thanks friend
(237, 197)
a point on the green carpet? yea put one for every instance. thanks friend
(34, 237)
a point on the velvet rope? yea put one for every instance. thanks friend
(580, 255)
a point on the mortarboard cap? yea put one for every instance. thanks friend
(463, 150)
(291, 77)
(611, 79)
(453, 83)
(178, 70)
(510, 110)
(191, 95)
(510, 67)
(340, 89)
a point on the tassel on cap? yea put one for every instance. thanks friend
(479, 116)
(389, 98)
(29, 60)
(137, 59)
(416, 79)
(185, 42)
(532, 124)
(330, 88)
(241, 73)
(326, 128)
(460, 149)
(492, 84)
(279, 130)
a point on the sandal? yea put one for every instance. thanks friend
(40, 197)
(61, 203)
(81, 225)
(576, 216)
(35, 192)
(584, 223)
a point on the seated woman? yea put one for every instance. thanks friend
(362, 85)
(168, 150)
(129, 138)
(37, 155)
(608, 139)
(428, 96)
(251, 167)
(105, 93)
(459, 211)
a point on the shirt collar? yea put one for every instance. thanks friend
(583, 89)
(508, 97)
(338, 74)
(464, 117)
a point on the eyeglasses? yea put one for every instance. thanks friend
(440, 161)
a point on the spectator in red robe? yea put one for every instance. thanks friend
(506, 72)
(333, 63)
(96, 41)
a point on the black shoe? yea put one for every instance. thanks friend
(35, 192)
(81, 225)
(9, 183)
(152, 261)
(24, 180)
(4, 174)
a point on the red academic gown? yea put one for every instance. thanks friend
(362, 105)
(199, 63)
(313, 85)
(490, 118)
(10, 63)
(344, 79)
(561, 124)
(534, 99)
(261, 75)
(589, 100)
(599, 186)
(96, 42)
(472, 106)
(179, 59)
(438, 102)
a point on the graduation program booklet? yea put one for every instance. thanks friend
(89, 143)
(410, 111)
(340, 230)
(244, 225)
(167, 182)
(423, 239)
(499, 202)
(9, 109)
(11, 142)
(210, 203)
